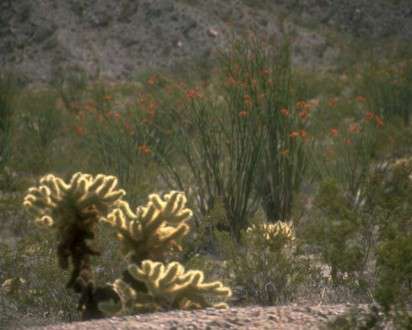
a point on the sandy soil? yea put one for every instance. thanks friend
(252, 317)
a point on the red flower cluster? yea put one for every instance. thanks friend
(301, 133)
(354, 128)
(243, 114)
(334, 132)
(144, 149)
(192, 93)
(369, 116)
(284, 112)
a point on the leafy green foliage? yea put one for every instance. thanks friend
(394, 271)
(393, 200)
(263, 265)
(335, 231)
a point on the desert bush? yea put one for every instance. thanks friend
(360, 222)
(392, 195)
(260, 272)
(8, 92)
(263, 266)
(39, 127)
(335, 230)
(347, 150)
(71, 84)
(341, 227)
(388, 89)
(394, 272)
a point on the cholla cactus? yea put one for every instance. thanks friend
(154, 229)
(54, 200)
(169, 286)
(402, 168)
(271, 231)
(12, 285)
(73, 209)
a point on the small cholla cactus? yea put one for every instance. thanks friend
(271, 231)
(154, 229)
(54, 200)
(12, 285)
(73, 209)
(403, 168)
(169, 286)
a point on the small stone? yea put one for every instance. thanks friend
(212, 32)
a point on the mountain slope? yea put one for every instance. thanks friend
(119, 39)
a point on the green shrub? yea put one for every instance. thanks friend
(336, 231)
(8, 92)
(263, 266)
(71, 84)
(346, 149)
(394, 271)
(393, 197)
(388, 89)
(39, 129)
(341, 227)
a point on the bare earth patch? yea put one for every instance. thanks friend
(252, 317)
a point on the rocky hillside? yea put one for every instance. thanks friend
(120, 39)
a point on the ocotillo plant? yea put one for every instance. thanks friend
(259, 79)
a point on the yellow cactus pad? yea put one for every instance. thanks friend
(153, 229)
(83, 195)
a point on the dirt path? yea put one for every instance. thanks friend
(253, 317)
